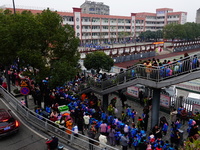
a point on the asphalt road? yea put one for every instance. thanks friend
(25, 139)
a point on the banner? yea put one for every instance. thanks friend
(196, 108)
(133, 91)
(164, 100)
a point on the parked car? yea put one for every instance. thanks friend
(8, 125)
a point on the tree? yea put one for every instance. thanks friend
(98, 60)
(124, 35)
(170, 31)
(191, 30)
(36, 39)
(188, 31)
(8, 42)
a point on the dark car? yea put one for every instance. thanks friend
(8, 125)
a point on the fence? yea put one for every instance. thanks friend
(44, 124)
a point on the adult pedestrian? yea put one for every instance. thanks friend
(145, 119)
(103, 141)
(113, 101)
(80, 124)
(141, 97)
(111, 135)
(124, 141)
(183, 116)
(69, 127)
(173, 115)
(194, 130)
(91, 134)
(123, 99)
(86, 118)
(103, 128)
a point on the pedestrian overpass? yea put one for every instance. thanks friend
(157, 77)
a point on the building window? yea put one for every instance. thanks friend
(91, 9)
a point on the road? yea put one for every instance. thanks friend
(25, 139)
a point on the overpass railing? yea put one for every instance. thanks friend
(153, 73)
(41, 123)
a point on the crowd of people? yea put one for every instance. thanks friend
(127, 128)
(85, 115)
(166, 68)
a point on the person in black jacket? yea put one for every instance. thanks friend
(52, 144)
(194, 130)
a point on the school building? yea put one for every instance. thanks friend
(95, 28)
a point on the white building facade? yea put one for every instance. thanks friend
(94, 28)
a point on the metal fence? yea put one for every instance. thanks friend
(188, 104)
(44, 124)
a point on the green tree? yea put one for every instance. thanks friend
(36, 40)
(170, 31)
(124, 35)
(8, 50)
(98, 60)
(191, 30)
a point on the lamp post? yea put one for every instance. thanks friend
(85, 39)
(112, 36)
(14, 6)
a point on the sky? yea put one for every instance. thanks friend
(117, 7)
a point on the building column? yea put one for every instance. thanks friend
(105, 102)
(155, 107)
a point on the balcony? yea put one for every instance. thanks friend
(86, 23)
(96, 30)
(68, 22)
(120, 24)
(153, 20)
(104, 23)
(86, 30)
(172, 19)
(104, 30)
(113, 23)
(95, 23)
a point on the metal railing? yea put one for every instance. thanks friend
(44, 124)
(154, 73)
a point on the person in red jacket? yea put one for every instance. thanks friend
(4, 85)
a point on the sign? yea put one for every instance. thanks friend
(196, 108)
(158, 42)
(23, 84)
(164, 100)
(24, 91)
(133, 91)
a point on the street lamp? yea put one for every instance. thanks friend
(85, 39)
(14, 6)
(112, 29)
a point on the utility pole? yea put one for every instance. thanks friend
(14, 6)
